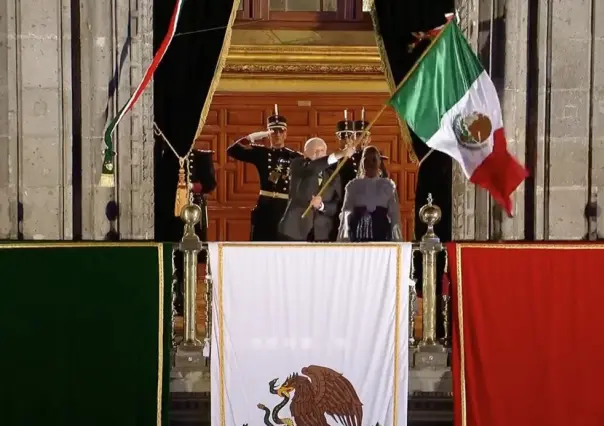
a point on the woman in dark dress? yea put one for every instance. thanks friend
(371, 210)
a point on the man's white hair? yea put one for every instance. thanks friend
(312, 141)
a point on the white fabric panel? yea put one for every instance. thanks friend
(279, 308)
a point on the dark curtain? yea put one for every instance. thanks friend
(181, 85)
(395, 20)
(71, 296)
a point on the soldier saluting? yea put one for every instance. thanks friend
(273, 165)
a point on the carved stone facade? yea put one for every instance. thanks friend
(555, 114)
(35, 119)
(463, 192)
(46, 97)
(53, 113)
(108, 50)
(307, 68)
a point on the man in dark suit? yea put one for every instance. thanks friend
(307, 176)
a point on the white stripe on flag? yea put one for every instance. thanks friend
(280, 309)
(482, 98)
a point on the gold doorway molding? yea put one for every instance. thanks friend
(290, 68)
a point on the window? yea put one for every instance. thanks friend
(305, 14)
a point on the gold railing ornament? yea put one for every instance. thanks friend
(412, 302)
(189, 351)
(445, 303)
(208, 318)
(429, 247)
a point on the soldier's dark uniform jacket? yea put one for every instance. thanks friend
(273, 172)
(203, 181)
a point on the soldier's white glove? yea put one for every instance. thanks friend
(256, 136)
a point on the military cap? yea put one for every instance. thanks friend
(344, 126)
(276, 121)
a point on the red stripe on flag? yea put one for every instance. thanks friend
(500, 173)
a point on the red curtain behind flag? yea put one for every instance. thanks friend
(527, 339)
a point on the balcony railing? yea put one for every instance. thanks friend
(429, 350)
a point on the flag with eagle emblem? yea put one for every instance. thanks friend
(450, 103)
(309, 335)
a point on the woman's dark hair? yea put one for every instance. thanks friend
(371, 160)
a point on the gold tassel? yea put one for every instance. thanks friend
(107, 181)
(108, 173)
(181, 192)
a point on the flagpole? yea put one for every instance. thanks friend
(343, 160)
(380, 112)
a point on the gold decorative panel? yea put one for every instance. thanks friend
(260, 68)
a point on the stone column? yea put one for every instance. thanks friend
(463, 197)
(37, 115)
(564, 138)
(117, 46)
(597, 96)
(513, 102)
(35, 120)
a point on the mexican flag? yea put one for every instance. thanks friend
(451, 104)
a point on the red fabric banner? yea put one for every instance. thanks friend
(527, 334)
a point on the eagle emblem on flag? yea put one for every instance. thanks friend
(472, 131)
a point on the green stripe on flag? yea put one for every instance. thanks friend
(443, 76)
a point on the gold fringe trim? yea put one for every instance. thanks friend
(107, 181)
(405, 135)
(226, 44)
(182, 193)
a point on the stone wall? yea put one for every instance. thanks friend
(566, 131)
(52, 114)
(569, 112)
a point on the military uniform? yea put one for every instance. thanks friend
(273, 171)
(203, 181)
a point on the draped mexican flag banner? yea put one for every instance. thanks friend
(527, 340)
(309, 334)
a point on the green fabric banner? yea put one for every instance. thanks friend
(85, 334)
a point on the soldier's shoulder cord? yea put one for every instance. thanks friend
(291, 151)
